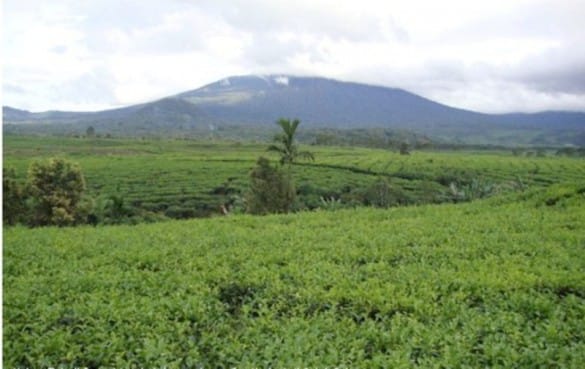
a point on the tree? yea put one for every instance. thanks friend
(516, 151)
(382, 194)
(90, 132)
(13, 201)
(285, 143)
(56, 187)
(404, 148)
(271, 190)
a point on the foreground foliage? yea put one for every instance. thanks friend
(495, 283)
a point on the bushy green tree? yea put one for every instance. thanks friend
(404, 148)
(56, 187)
(13, 199)
(382, 194)
(285, 144)
(271, 189)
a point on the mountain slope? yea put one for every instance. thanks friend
(259, 101)
(322, 102)
(12, 114)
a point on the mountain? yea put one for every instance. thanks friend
(165, 116)
(11, 114)
(321, 102)
(258, 101)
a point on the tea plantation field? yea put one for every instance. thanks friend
(496, 283)
(185, 179)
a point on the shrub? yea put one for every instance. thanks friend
(111, 209)
(271, 190)
(13, 202)
(383, 195)
(56, 187)
(331, 203)
(178, 212)
(477, 189)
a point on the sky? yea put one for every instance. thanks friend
(491, 56)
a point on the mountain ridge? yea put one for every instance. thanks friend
(259, 100)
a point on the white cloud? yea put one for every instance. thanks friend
(491, 56)
(506, 97)
(281, 80)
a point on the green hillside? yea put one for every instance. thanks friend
(495, 283)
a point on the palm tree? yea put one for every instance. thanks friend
(285, 145)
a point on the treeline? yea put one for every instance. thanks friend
(571, 152)
(381, 138)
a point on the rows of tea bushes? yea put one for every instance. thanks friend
(185, 179)
(495, 283)
(457, 165)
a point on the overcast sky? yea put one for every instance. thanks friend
(489, 56)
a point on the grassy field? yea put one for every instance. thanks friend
(496, 283)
